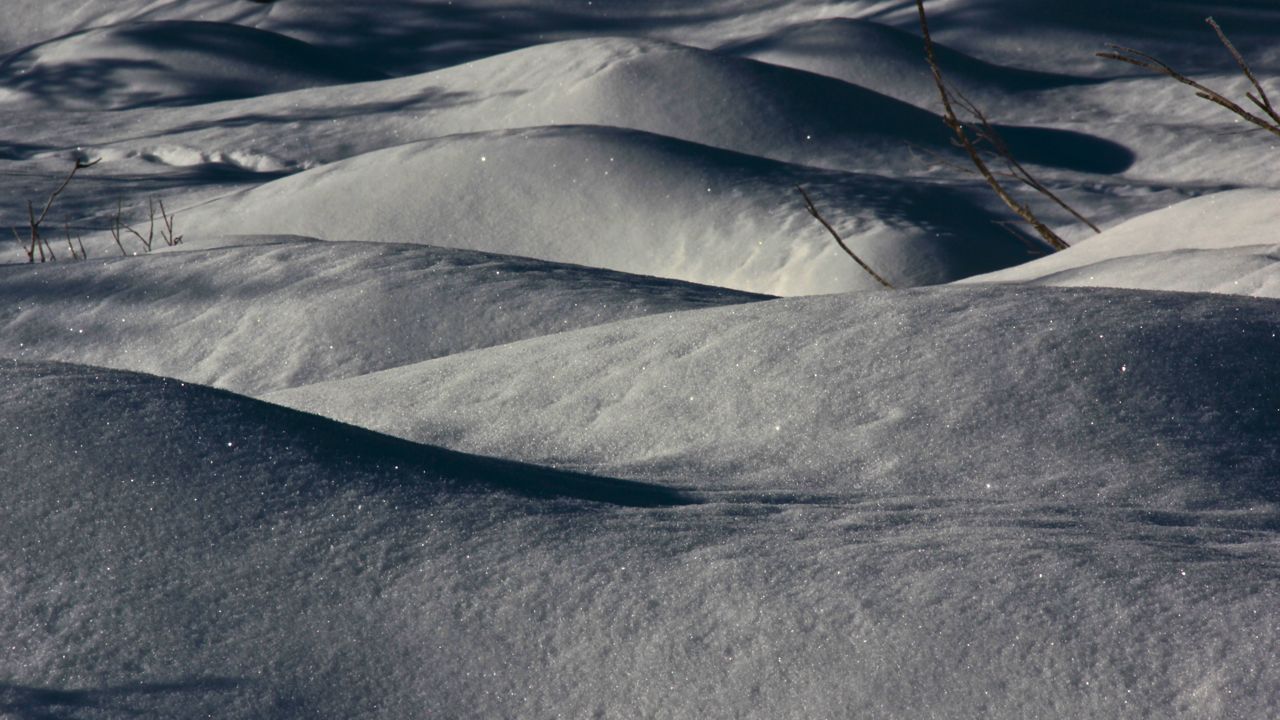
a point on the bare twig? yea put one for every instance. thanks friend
(808, 205)
(986, 131)
(970, 145)
(67, 228)
(151, 228)
(116, 225)
(167, 233)
(1146, 61)
(38, 243)
(1261, 99)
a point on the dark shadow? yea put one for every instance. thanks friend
(100, 81)
(1067, 149)
(403, 39)
(848, 39)
(19, 151)
(27, 702)
(432, 98)
(415, 474)
(260, 63)
(1174, 31)
(336, 442)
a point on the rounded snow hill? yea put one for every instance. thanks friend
(734, 103)
(633, 202)
(662, 88)
(1222, 243)
(1009, 393)
(887, 60)
(148, 64)
(174, 551)
(257, 314)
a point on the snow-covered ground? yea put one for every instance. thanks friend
(502, 371)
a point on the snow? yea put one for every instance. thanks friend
(634, 202)
(1220, 243)
(502, 372)
(1006, 393)
(254, 314)
(145, 64)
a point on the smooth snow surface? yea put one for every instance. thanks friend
(634, 202)
(502, 372)
(1222, 243)
(259, 314)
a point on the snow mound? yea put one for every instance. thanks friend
(1008, 393)
(1222, 243)
(169, 63)
(633, 202)
(269, 313)
(174, 551)
(887, 60)
(737, 104)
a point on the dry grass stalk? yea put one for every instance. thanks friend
(151, 227)
(986, 132)
(167, 233)
(808, 204)
(37, 243)
(82, 255)
(1269, 121)
(116, 227)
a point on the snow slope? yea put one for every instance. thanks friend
(888, 60)
(1010, 393)
(998, 500)
(633, 202)
(1223, 243)
(149, 64)
(250, 561)
(258, 314)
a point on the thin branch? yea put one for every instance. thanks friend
(1149, 62)
(151, 230)
(80, 165)
(808, 205)
(989, 133)
(167, 233)
(961, 134)
(38, 242)
(1260, 99)
(115, 229)
(67, 228)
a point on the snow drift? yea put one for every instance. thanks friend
(888, 60)
(266, 313)
(1160, 399)
(177, 551)
(169, 63)
(1222, 243)
(633, 202)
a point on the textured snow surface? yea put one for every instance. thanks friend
(242, 560)
(254, 314)
(1086, 396)
(469, 392)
